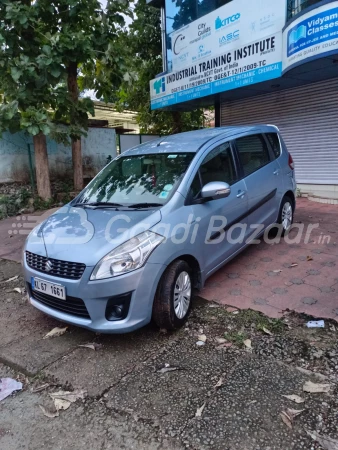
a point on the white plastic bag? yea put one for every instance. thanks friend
(7, 386)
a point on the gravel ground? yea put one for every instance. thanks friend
(158, 390)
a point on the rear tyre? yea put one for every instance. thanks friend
(285, 218)
(172, 301)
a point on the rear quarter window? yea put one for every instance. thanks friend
(274, 143)
(253, 153)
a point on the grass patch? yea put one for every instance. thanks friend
(236, 337)
(248, 318)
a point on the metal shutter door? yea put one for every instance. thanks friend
(307, 117)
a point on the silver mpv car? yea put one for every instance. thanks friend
(156, 223)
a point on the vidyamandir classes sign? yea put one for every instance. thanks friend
(313, 35)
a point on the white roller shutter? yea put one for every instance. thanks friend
(307, 117)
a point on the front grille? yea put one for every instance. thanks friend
(72, 305)
(63, 269)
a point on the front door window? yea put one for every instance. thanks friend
(218, 165)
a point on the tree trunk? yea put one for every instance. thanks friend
(77, 164)
(76, 143)
(41, 166)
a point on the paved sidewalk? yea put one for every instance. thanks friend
(14, 231)
(272, 278)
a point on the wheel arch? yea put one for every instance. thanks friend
(195, 267)
(292, 197)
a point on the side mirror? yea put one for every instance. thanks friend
(215, 190)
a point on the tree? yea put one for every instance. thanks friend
(87, 43)
(50, 48)
(26, 77)
(143, 39)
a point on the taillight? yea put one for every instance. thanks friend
(291, 163)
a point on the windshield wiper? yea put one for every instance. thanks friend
(96, 204)
(144, 205)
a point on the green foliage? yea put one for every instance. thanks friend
(236, 337)
(43, 44)
(10, 205)
(40, 204)
(249, 318)
(144, 62)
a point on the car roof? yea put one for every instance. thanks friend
(193, 141)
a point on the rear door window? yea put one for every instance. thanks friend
(274, 143)
(253, 153)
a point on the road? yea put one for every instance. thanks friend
(134, 401)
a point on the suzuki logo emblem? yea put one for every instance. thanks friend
(48, 266)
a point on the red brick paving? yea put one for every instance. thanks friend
(251, 279)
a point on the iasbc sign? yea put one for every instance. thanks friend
(313, 35)
(227, 38)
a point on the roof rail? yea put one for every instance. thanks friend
(270, 125)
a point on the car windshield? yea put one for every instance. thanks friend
(136, 180)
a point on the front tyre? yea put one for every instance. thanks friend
(173, 296)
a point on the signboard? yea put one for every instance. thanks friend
(252, 63)
(313, 35)
(233, 25)
(234, 46)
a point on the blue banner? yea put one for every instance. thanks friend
(226, 84)
(314, 30)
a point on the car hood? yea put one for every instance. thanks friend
(86, 235)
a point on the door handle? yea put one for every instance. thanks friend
(241, 194)
(276, 172)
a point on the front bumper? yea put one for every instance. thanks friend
(141, 284)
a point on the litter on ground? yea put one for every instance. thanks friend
(8, 386)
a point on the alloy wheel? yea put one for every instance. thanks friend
(287, 215)
(182, 294)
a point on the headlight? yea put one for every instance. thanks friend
(127, 257)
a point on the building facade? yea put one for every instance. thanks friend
(259, 61)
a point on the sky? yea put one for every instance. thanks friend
(127, 19)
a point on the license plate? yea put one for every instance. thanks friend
(53, 289)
